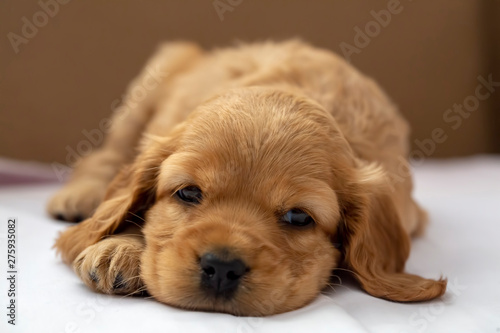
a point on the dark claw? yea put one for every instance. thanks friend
(93, 277)
(119, 283)
(143, 293)
(62, 217)
(77, 218)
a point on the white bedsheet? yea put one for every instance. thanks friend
(462, 243)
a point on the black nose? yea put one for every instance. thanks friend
(219, 275)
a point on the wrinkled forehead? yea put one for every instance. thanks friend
(257, 143)
(257, 129)
(246, 171)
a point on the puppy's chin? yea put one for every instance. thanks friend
(275, 280)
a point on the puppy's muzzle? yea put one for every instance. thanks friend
(220, 277)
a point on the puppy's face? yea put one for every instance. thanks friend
(245, 211)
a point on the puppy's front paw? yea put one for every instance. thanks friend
(111, 266)
(77, 200)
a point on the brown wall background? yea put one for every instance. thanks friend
(67, 76)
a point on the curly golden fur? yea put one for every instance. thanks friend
(260, 129)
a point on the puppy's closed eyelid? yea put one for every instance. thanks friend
(173, 175)
(177, 188)
(170, 184)
(297, 217)
(190, 195)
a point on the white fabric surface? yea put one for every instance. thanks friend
(462, 197)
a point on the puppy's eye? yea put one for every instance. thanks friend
(297, 217)
(190, 194)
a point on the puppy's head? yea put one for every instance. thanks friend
(245, 204)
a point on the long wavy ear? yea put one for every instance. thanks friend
(375, 245)
(130, 193)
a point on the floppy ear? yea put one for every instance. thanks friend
(130, 193)
(375, 244)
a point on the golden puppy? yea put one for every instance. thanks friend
(250, 173)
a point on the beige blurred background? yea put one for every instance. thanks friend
(69, 71)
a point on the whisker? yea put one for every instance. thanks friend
(138, 290)
(346, 270)
(134, 223)
(330, 286)
(139, 217)
(131, 278)
(338, 277)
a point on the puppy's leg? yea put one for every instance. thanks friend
(112, 266)
(86, 188)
